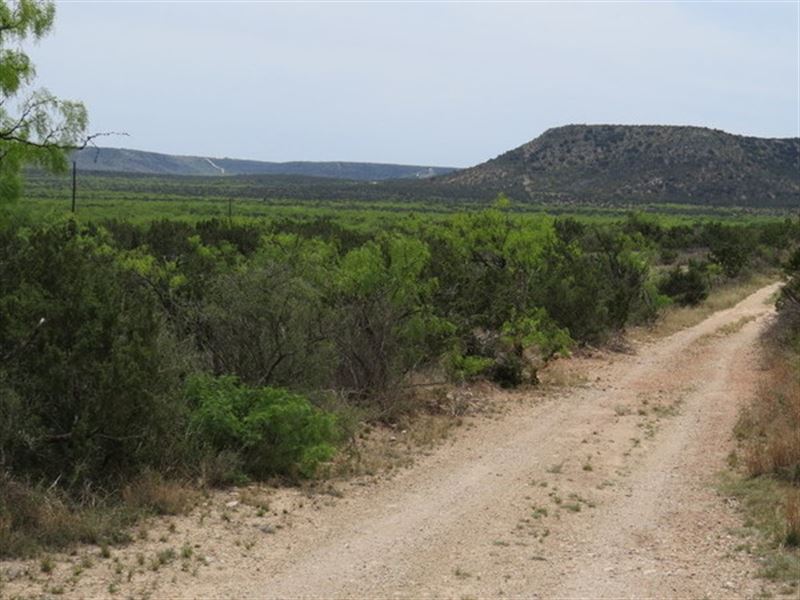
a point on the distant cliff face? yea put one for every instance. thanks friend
(642, 163)
(123, 160)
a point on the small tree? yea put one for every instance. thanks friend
(35, 126)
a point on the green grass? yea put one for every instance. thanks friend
(761, 502)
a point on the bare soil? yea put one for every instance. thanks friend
(602, 488)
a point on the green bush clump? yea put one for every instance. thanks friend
(90, 376)
(385, 323)
(276, 432)
(466, 367)
(527, 342)
(686, 286)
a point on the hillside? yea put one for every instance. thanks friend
(605, 165)
(122, 160)
(642, 164)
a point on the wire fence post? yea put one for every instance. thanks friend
(74, 183)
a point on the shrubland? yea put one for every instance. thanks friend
(138, 352)
(133, 355)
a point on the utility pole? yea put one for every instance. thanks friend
(74, 183)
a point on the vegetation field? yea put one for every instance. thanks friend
(146, 197)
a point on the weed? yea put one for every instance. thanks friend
(539, 512)
(792, 514)
(668, 410)
(163, 557)
(46, 564)
(166, 556)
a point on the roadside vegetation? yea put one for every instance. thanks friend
(138, 356)
(767, 481)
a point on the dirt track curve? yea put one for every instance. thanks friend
(605, 491)
(601, 490)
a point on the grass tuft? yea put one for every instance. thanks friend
(152, 493)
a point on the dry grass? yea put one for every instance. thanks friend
(725, 330)
(562, 374)
(33, 518)
(770, 427)
(381, 449)
(676, 318)
(152, 493)
(736, 326)
(768, 432)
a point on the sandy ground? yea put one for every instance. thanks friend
(602, 490)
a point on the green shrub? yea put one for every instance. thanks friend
(276, 432)
(269, 323)
(385, 323)
(529, 340)
(731, 247)
(461, 367)
(686, 285)
(90, 373)
(535, 329)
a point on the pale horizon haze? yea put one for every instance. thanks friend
(448, 84)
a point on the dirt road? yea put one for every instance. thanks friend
(605, 491)
(602, 490)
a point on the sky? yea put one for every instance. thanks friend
(449, 84)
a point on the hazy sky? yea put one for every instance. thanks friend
(445, 84)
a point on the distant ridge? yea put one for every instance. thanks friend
(630, 164)
(123, 160)
(603, 165)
